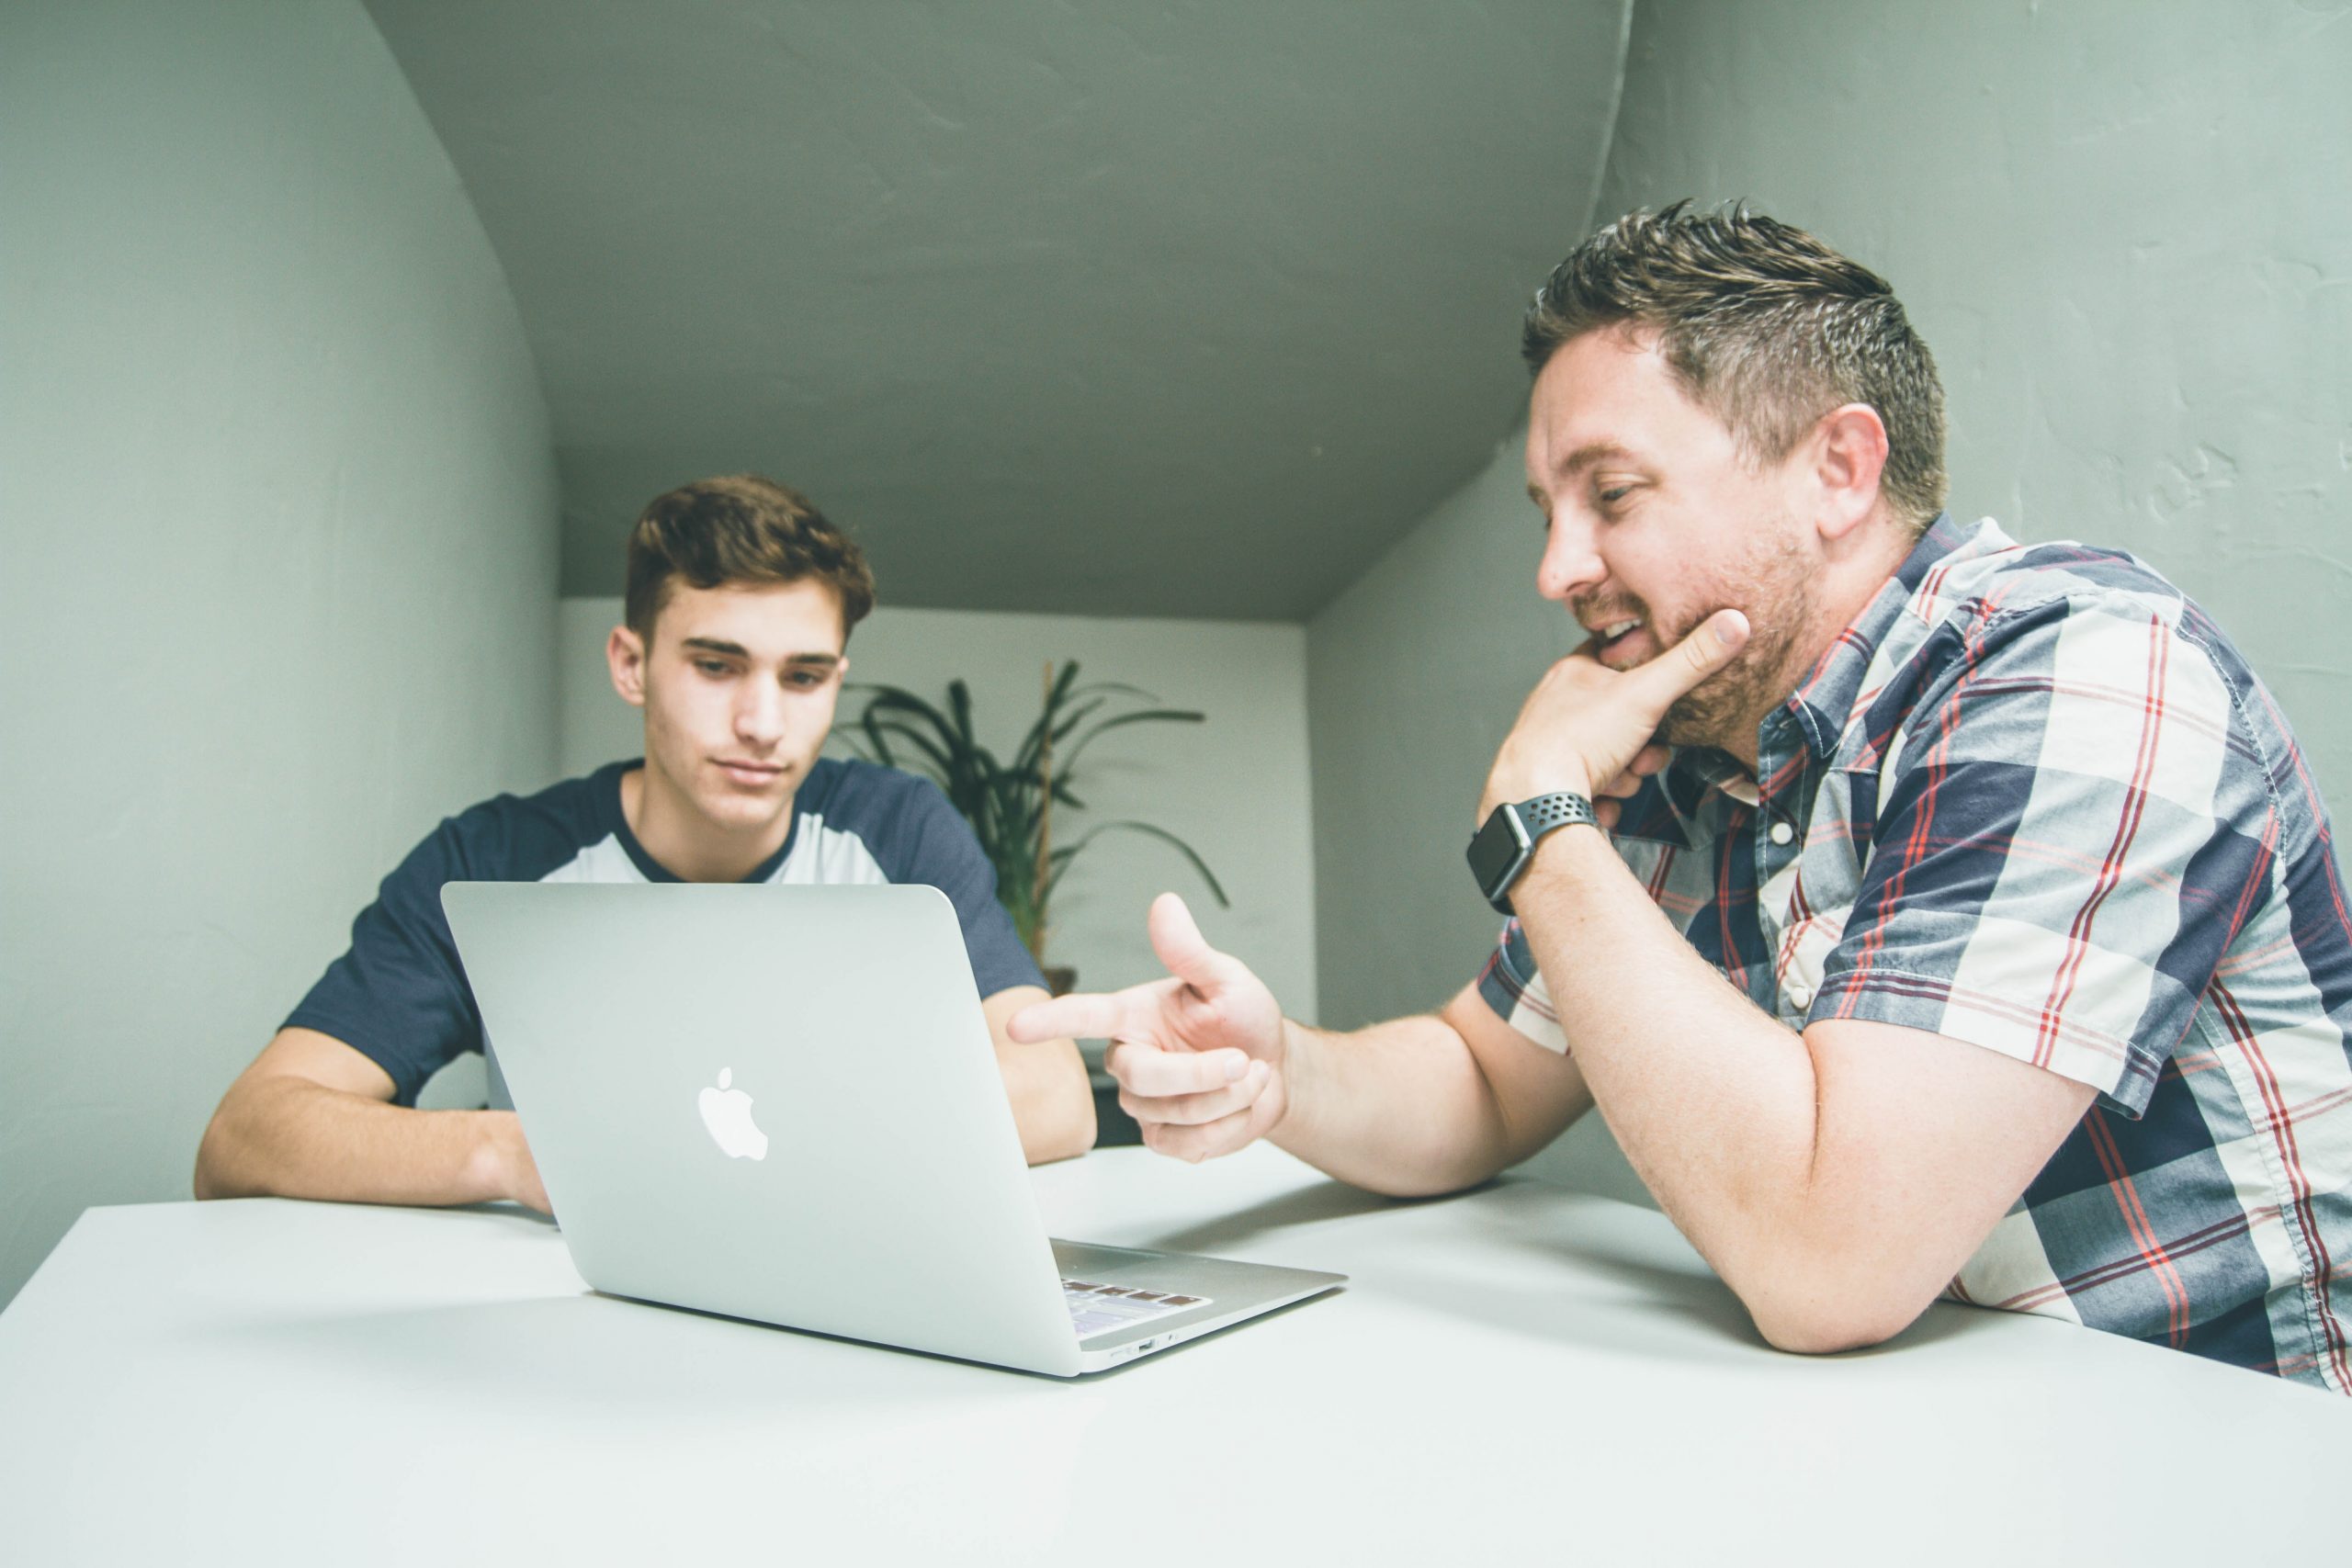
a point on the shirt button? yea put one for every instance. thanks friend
(1781, 833)
(1800, 997)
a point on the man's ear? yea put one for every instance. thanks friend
(1847, 456)
(625, 653)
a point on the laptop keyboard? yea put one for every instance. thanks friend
(1094, 1308)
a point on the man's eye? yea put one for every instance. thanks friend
(805, 680)
(710, 667)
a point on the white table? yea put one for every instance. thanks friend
(1519, 1372)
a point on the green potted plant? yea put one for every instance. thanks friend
(1011, 805)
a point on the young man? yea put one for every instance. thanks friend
(1924, 913)
(741, 601)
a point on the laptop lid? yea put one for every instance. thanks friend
(778, 1103)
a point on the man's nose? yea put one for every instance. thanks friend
(1571, 563)
(759, 714)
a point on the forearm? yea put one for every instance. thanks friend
(1714, 1103)
(1399, 1108)
(286, 1136)
(1053, 1103)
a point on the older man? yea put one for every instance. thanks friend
(1924, 913)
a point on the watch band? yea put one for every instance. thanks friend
(1545, 812)
(1500, 849)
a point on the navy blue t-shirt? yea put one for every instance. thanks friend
(400, 995)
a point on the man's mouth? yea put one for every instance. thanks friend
(1615, 638)
(756, 775)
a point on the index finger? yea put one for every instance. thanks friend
(1079, 1016)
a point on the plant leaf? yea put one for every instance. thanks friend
(877, 730)
(959, 703)
(1030, 745)
(1120, 687)
(1006, 806)
(899, 699)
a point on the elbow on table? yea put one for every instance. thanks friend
(1824, 1323)
(210, 1179)
(1414, 1175)
(229, 1161)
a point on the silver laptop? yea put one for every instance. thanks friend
(782, 1104)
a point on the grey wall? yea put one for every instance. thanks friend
(280, 542)
(1413, 675)
(1068, 305)
(2119, 228)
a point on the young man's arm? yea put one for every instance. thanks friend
(312, 1118)
(1053, 1104)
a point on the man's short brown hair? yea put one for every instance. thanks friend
(1762, 325)
(740, 528)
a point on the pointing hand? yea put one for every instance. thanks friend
(1198, 1055)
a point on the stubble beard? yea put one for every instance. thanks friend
(1725, 710)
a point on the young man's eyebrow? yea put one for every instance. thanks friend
(737, 650)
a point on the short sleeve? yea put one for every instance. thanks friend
(2068, 836)
(398, 996)
(1511, 985)
(936, 847)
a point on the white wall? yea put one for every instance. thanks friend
(1235, 788)
(279, 526)
(2115, 226)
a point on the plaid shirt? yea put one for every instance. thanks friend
(2033, 799)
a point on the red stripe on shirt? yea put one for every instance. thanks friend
(1915, 847)
(2282, 1126)
(2144, 1235)
(2119, 848)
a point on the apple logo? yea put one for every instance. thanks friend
(727, 1112)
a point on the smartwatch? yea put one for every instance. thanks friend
(1500, 849)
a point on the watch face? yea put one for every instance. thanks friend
(1496, 850)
